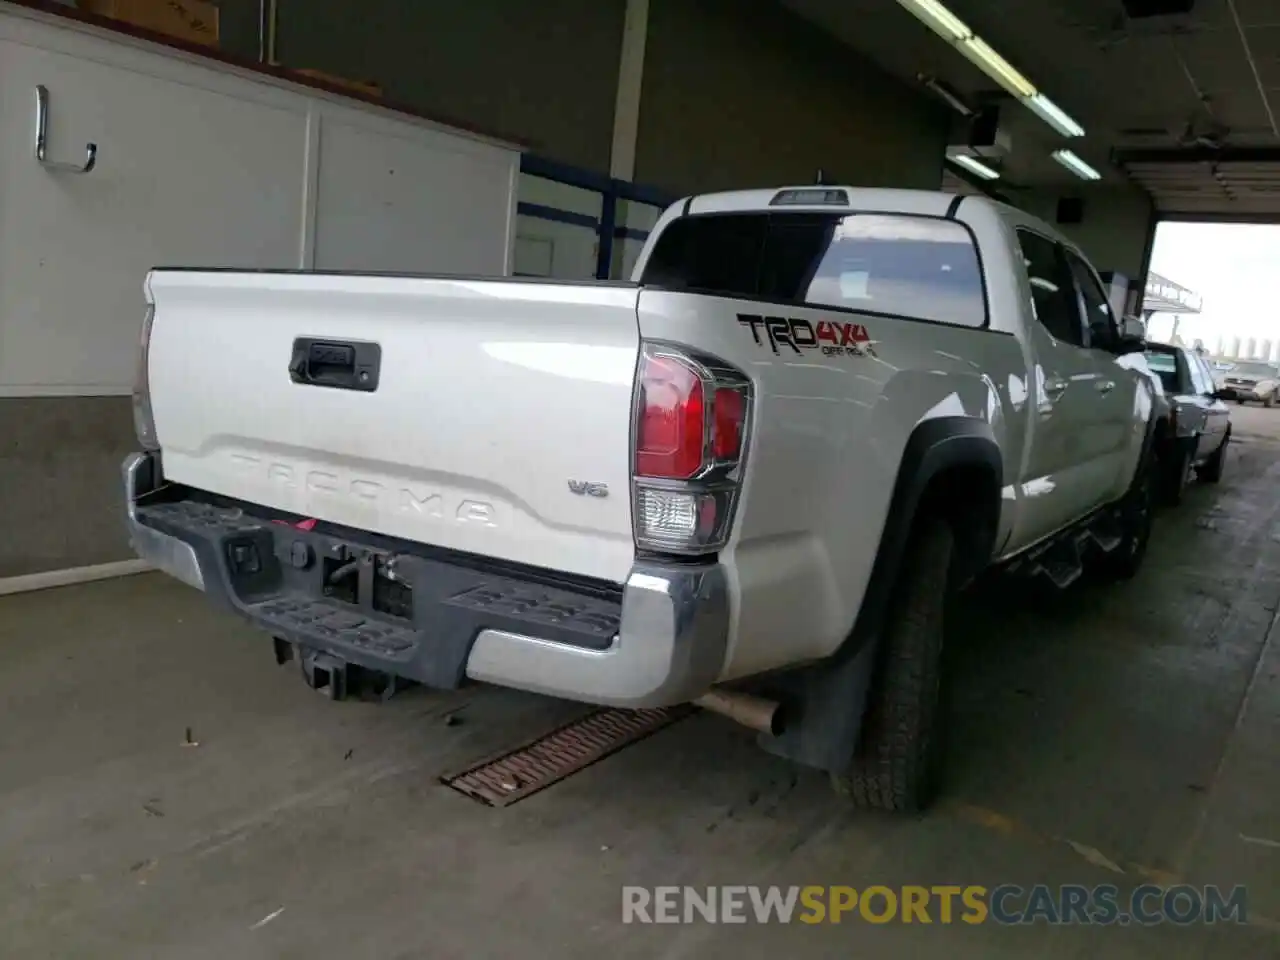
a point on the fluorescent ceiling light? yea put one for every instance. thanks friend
(1076, 165)
(938, 19)
(974, 166)
(1053, 115)
(956, 32)
(959, 34)
(997, 67)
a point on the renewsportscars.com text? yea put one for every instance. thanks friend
(1007, 904)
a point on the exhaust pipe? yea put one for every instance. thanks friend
(756, 713)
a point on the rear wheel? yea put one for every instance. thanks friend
(1211, 470)
(897, 762)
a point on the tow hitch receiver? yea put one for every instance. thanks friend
(336, 678)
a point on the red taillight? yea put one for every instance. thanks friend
(730, 419)
(669, 431)
(691, 426)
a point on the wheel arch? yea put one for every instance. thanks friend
(952, 467)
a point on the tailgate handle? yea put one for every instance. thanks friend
(338, 364)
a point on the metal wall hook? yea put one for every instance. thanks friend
(42, 139)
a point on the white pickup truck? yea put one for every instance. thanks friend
(763, 465)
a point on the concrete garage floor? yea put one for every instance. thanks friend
(1110, 736)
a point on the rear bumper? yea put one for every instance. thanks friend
(659, 640)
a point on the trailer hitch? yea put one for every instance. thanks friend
(336, 678)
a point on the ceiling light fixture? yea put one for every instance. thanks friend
(957, 33)
(1076, 165)
(944, 92)
(939, 19)
(976, 167)
(997, 67)
(1053, 115)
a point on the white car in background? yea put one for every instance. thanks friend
(1252, 380)
(1194, 435)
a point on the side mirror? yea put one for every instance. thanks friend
(1133, 335)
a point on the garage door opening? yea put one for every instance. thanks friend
(1212, 285)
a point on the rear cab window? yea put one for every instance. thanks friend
(1207, 371)
(896, 265)
(1164, 365)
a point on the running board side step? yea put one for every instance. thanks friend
(1061, 562)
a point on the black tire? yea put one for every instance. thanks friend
(1211, 470)
(897, 762)
(1176, 473)
(1137, 514)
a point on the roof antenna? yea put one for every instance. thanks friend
(821, 179)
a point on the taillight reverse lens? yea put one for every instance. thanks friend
(683, 521)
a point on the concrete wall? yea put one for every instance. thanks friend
(60, 504)
(543, 72)
(1118, 226)
(742, 92)
(736, 92)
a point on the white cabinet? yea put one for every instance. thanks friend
(169, 186)
(437, 203)
(203, 165)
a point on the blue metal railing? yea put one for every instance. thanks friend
(611, 190)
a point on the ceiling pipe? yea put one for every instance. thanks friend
(945, 93)
(1253, 65)
(267, 17)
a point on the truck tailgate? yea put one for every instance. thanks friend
(498, 425)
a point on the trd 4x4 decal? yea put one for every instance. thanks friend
(833, 339)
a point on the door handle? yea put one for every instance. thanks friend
(1106, 386)
(1054, 388)
(341, 365)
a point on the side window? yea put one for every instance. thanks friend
(1098, 318)
(1206, 375)
(1053, 291)
(1194, 374)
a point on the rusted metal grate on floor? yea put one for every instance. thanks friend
(516, 774)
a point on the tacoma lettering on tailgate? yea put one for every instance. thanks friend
(417, 500)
